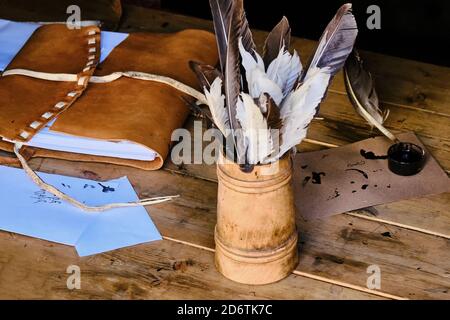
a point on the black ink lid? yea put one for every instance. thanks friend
(406, 159)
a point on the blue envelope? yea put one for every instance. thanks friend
(26, 209)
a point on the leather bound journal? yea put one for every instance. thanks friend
(56, 84)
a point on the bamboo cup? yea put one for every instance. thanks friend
(255, 235)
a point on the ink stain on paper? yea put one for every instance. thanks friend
(43, 197)
(355, 164)
(364, 187)
(305, 181)
(335, 195)
(369, 155)
(360, 171)
(386, 234)
(106, 189)
(316, 177)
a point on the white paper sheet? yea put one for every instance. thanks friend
(28, 210)
(51, 140)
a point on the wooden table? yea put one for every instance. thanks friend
(408, 240)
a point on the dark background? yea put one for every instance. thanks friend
(418, 30)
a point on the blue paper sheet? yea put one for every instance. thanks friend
(13, 36)
(108, 41)
(26, 209)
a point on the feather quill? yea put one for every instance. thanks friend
(336, 42)
(285, 70)
(299, 109)
(223, 12)
(362, 94)
(232, 75)
(278, 39)
(216, 103)
(258, 142)
(258, 82)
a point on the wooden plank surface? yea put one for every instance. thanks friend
(36, 269)
(339, 248)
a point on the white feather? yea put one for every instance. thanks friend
(299, 108)
(284, 70)
(248, 62)
(258, 141)
(257, 80)
(216, 103)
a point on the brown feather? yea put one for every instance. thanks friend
(238, 27)
(205, 73)
(270, 111)
(362, 94)
(279, 37)
(222, 12)
(336, 42)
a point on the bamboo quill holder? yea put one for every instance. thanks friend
(256, 236)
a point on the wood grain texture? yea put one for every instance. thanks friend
(413, 264)
(36, 269)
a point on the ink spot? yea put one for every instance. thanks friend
(305, 181)
(360, 171)
(352, 182)
(369, 155)
(354, 191)
(376, 186)
(106, 189)
(364, 187)
(355, 164)
(386, 234)
(316, 177)
(335, 195)
(304, 167)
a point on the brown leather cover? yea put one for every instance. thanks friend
(144, 112)
(25, 100)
